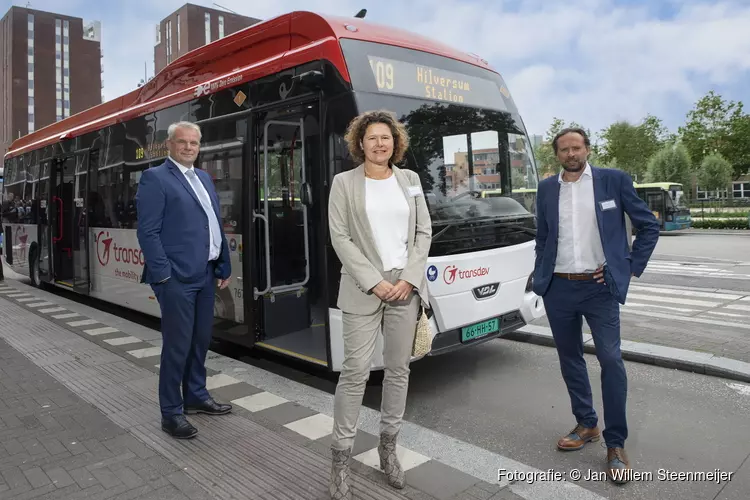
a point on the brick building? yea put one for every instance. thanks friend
(192, 26)
(50, 68)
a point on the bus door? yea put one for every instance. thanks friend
(289, 295)
(67, 221)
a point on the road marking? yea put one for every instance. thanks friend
(409, 459)
(220, 380)
(66, 316)
(692, 319)
(688, 293)
(670, 308)
(26, 299)
(259, 402)
(741, 388)
(101, 331)
(726, 314)
(40, 304)
(122, 341)
(738, 307)
(52, 310)
(83, 322)
(146, 352)
(314, 427)
(674, 300)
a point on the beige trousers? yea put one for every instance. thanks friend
(398, 322)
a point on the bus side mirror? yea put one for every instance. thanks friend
(305, 194)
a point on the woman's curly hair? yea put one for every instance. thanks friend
(357, 128)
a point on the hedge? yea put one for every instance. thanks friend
(721, 224)
(727, 215)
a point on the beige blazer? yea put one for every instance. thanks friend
(354, 244)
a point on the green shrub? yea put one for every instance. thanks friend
(729, 215)
(720, 224)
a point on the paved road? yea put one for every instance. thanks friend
(694, 301)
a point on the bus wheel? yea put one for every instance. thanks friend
(34, 269)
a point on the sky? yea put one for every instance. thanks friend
(590, 61)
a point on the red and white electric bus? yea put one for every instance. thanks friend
(273, 102)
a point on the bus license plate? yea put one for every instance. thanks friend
(479, 330)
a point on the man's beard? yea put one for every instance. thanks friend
(577, 167)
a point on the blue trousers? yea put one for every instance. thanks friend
(187, 316)
(566, 303)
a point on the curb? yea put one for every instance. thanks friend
(666, 357)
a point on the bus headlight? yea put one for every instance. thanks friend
(530, 283)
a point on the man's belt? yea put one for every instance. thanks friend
(576, 276)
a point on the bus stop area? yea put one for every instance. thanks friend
(79, 418)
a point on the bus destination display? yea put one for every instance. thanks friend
(416, 80)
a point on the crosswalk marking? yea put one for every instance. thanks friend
(687, 293)
(674, 300)
(101, 331)
(65, 316)
(52, 310)
(83, 322)
(694, 269)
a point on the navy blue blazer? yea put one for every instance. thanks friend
(609, 185)
(173, 227)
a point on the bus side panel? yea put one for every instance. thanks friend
(23, 238)
(117, 266)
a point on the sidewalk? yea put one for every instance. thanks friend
(79, 420)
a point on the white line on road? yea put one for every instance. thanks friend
(674, 300)
(741, 388)
(641, 305)
(688, 293)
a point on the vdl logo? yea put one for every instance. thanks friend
(432, 273)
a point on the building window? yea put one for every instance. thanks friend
(741, 189)
(208, 27)
(158, 34)
(30, 71)
(178, 33)
(221, 26)
(169, 41)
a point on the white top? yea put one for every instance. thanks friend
(388, 214)
(579, 246)
(214, 249)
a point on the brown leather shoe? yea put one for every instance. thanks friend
(618, 466)
(578, 437)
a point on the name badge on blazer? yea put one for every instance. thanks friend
(608, 204)
(414, 191)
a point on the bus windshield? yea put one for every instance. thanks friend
(466, 139)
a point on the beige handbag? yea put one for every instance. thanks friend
(422, 338)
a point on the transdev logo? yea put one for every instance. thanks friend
(432, 273)
(451, 273)
(103, 245)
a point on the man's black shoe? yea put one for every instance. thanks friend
(178, 427)
(209, 407)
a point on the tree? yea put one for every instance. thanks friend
(716, 126)
(671, 164)
(715, 172)
(633, 145)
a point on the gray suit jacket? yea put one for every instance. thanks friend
(354, 244)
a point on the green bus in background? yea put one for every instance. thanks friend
(665, 200)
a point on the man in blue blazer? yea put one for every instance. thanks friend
(583, 268)
(185, 252)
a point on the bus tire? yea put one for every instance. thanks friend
(36, 282)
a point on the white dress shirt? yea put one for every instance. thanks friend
(388, 214)
(214, 248)
(579, 245)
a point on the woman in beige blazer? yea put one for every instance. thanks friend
(381, 230)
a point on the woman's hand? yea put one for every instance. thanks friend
(382, 290)
(400, 291)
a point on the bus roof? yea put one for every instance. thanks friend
(663, 185)
(256, 51)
